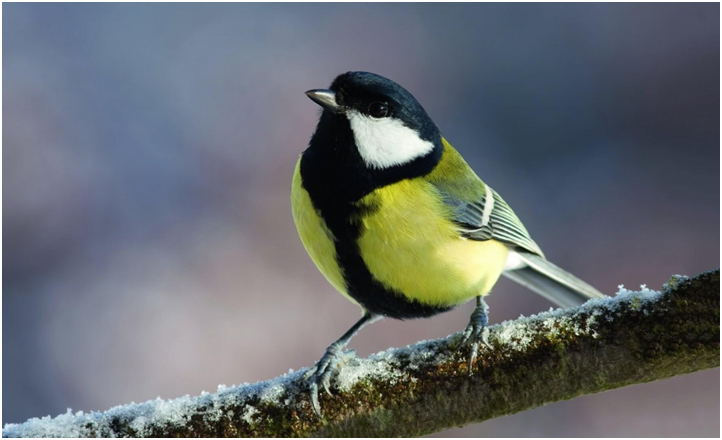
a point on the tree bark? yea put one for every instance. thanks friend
(632, 338)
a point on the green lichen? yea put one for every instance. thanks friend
(554, 356)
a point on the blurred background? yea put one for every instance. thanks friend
(148, 149)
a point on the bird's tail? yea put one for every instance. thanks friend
(551, 282)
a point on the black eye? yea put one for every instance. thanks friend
(378, 110)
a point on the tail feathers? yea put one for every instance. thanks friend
(552, 282)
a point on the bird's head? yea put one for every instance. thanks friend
(386, 124)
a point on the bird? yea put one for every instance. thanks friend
(398, 222)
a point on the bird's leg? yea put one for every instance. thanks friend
(477, 330)
(321, 373)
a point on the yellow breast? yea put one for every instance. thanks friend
(410, 245)
(315, 235)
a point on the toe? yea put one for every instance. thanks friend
(485, 337)
(472, 354)
(466, 335)
(309, 373)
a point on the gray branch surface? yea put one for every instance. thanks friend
(632, 338)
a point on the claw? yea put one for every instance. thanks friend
(476, 332)
(326, 382)
(472, 354)
(321, 374)
(313, 390)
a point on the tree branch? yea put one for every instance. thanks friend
(632, 338)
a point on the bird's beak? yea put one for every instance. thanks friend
(326, 99)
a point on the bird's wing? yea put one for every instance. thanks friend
(481, 214)
(478, 210)
(490, 217)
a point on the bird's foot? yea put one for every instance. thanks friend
(320, 374)
(476, 332)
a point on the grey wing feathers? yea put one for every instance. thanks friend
(492, 218)
(479, 221)
(469, 218)
(509, 229)
(552, 282)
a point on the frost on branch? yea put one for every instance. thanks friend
(630, 338)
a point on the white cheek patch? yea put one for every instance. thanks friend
(386, 142)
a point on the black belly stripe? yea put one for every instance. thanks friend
(364, 288)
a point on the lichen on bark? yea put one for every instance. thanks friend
(558, 355)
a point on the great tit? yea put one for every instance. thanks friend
(398, 222)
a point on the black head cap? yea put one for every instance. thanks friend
(359, 91)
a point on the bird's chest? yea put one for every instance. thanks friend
(409, 244)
